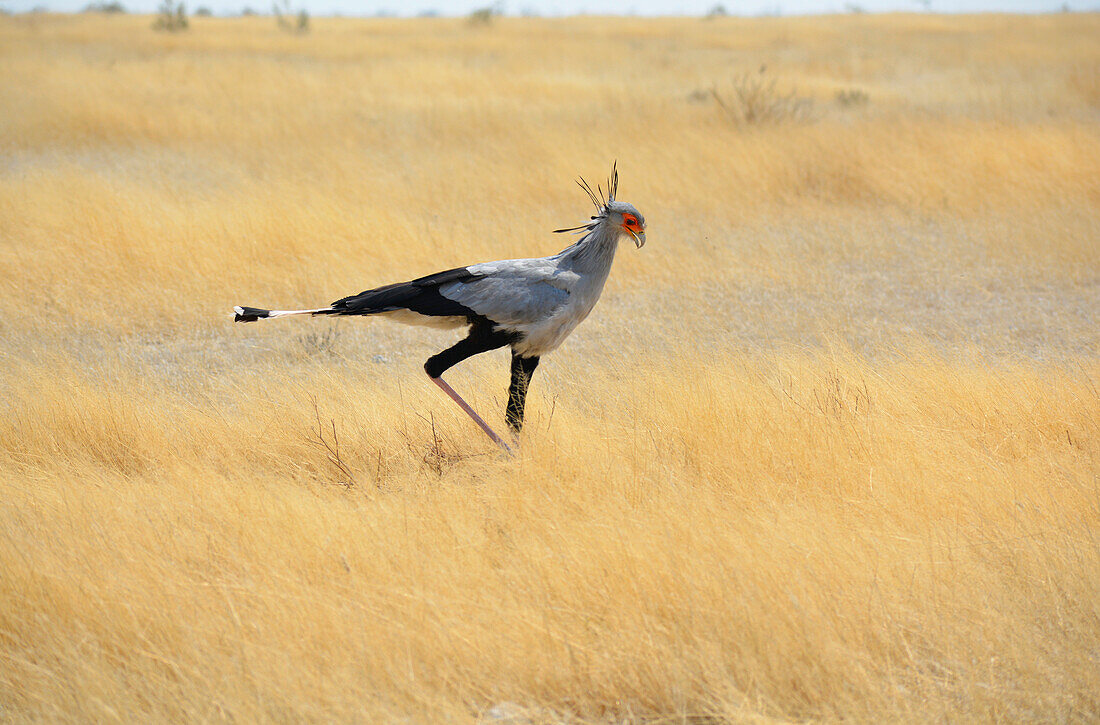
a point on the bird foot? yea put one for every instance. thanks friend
(470, 412)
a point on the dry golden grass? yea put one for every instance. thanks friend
(829, 448)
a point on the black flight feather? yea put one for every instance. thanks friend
(420, 295)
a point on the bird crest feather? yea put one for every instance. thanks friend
(598, 199)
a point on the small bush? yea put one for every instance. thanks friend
(851, 97)
(483, 16)
(283, 14)
(171, 17)
(204, 12)
(320, 343)
(754, 99)
(718, 11)
(104, 8)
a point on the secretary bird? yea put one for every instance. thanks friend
(530, 305)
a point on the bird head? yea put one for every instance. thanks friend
(618, 215)
(627, 219)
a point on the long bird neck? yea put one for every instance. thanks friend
(595, 252)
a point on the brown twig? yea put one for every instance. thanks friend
(332, 450)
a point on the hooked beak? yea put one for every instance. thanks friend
(639, 238)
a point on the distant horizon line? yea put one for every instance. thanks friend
(440, 14)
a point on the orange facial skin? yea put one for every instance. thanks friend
(630, 223)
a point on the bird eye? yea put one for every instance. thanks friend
(630, 220)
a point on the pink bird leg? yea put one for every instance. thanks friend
(470, 412)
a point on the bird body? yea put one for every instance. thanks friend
(541, 300)
(530, 305)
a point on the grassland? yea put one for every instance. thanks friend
(828, 449)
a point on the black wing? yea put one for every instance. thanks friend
(419, 295)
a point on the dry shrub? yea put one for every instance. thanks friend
(171, 17)
(755, 99)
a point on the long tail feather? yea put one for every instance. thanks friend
(251, 314)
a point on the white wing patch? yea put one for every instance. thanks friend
(409, 317)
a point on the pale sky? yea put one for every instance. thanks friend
(572, 7)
